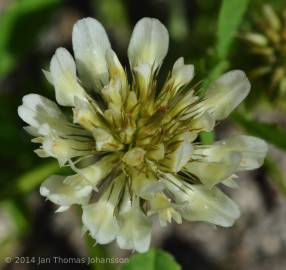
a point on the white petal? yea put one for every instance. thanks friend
(160, 204)
(230, 182)
(48, 76)
(62, 209)
(66, 191)
(45, 118)
(105, 141)
(181, 104)
(175, 186)
(142, 75)
(63, 74)
(184, 152)
(85, 115)
(116, 70)
(145, 185)
(203, 122)
(112, 93)
(32, 131)
(98, 171)
(135, 227)
(65, 149)
(135, 231)
(178, 158)
(114, 66)
(42, 153)
(37, 111)
(149, 43)
(178, 64)
(182, 74)
(100, 220)
(253, 150)
(226, 93)
(90, 43)
(100, 217)
(212, 172)
(211, 206)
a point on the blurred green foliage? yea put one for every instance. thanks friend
(20, 25)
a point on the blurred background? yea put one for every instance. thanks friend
(214, 36)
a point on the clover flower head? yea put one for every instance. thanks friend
(132, 143)
(267, 42)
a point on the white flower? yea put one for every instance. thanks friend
(132, 144)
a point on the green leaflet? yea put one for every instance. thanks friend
(230, 16)
(152, 260)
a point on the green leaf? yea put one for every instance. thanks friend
(230, 16)
(267, 131)
(19, 28)
(152, 260)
